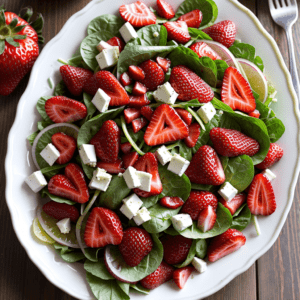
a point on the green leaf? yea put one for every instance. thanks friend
(19, 37)
(109, 23)
(68, 254)
(185, 151)
(201, 248)
(12, 42)
(53, 170)
(2, 17)
(58, 199)
(2, 46)
(91, 108)
(38, 25)
(221, 105)
(98, 269)
(32, 137)
(27, 14)
(258, 61)
(40, 106)
(208, 71)
(42, 125)
(150, 201)
(221, 67)
(13, 23)
(139, 288)
(239, 210)
(197, 34)
(146, 35)
(242, 220)
(189, 258)
(61, 89)
(124, 286)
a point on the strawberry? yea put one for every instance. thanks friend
(235, 203)
(180, 276)
(189, 85)
(125, 147)
(131, 114)
(192, 18)
(165, 126)
(202, 49)
(103, 227)
(107, 141)
(138, 124)
(185, 115)
(255, 114)
(112, 167)
(71, 186)
(207, 219)
(136, 73)
(154, 74)
(176, 248)
(197, 201)
(161, 275)
(165, 10)
(236, 91)
(129, 159)
(75, 78)
(61, 211)
(138, 101)
(194, 133)
(139, 89)
(205, 167)
(116, 41)
(164, 63)
(136, 244)
(125, 79)
(137, 14)
(224, 244)
(223, 32)
(275, 153)
(178, 31)
(147, 112)
(66, 145)
(231, 143)
(61, 109)
(91, 85)
(148, 163)
(171, 202)
(261, 197)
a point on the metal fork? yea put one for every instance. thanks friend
(285, 14)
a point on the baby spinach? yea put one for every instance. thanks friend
(197, 34)
(185, 151)
(42, 125)
(221, 105)
(32, 137)
(61, 89)
(221, 67)
(68, 254)
(53, 170)
(124, 286)
(150, 201)
(242, 220)
(189, 258)
(110, 23)
(45, 192)
(91, 109)
(239, 210)
(40, 106)
(209, 71)
(139, 288)
(201, 248)
(146, 35)
(98, 269)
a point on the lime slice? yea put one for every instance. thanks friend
(40, 233)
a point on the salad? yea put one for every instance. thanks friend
(154, 151)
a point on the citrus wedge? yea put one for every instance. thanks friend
(40, 234)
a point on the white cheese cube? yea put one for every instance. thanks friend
(131, 178)
(227, 191)
(108, 57)
(103, 45)
(142, 216)
(165, 93)
(199, 264)
(131, 206)
(206, 112)
(101, 100)
(163, 155)
(88, 155)
(50, 154)
(182, 221)
(269, 174)
(98, 173)
(100, 180)
(64, 225)
(178, 164)
(145, 179)
(36, 181)
(128, 32)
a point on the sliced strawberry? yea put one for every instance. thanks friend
(147, 112)
(125, 79)
(111, 167)
(194, 133)
(154, 74)
(180, 276)
(178, 31)
(137, 14)
(61, 211)
(202, 49)
(275, 153)
(138, 124)
(139, 89)
(61, 109)
(107, 141)
(224, 244)
(136, 244)
(189, 85)
(136, 73)
(171, 202)
(207, 219)
(66, 145)
(131, 114)
(165, 126)
(185, 115)
(125, 147)
(91, 86)
(71, 186)
(117, 42)
(164, 63)
(236, 91)
(192, 18)
(129, 159)
(235, 203)
(231, 143)
(165, 10)
(223, 32)
(138, 101)
(103, 227)
(261, 197)
(255, 114)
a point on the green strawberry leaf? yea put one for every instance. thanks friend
(27, 14)
(11, 41)
(2, 17)
(18, 28)
(13, 23)
(2, 46)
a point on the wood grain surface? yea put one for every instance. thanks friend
(275, 276)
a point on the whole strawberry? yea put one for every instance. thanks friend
(275, 153)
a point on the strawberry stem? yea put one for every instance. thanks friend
(172, 146)
(194, 114)
(256, 225)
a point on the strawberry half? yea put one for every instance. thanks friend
(111, 167)
(235, 203)
(61, 109)
(131, 114)
(207, 219)
(136, 73)
(165, 126)
(178, 31)
(275, 153)
(189, 85)
(165, 10)
(117, 42)
(202, 49)
(154, 74)
(137, 14)
(171, 202)
(185, 115)
(224, 244)
(138, 124)
(206, 167)
(71, 186)
(236, 91)
(103, 227)
(125, 147)
(139, 89)
(164, 63)
(192, 18)
(129, 159)
(138, 101)
(147, 112)
(180, 276)
(194, 133)
(91, 85)
(261, 197)
(125, 79)
(66, 145)
(135, 245)
(231, 143)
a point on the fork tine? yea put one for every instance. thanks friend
(271, 5)
(277, 4)
(282, 3)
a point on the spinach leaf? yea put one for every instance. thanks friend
(201, 248)
(197, 34)
(98, 269)
(185, 151)
(209, 71)
(61, 89)
(45, 192)
(32, 137)
(40, 106)
(91, 108)
(124, 286)
(42, 125)
(221, 67)
(53, 170)
(110, 23)
(88, 170)
(239, 210)
(191, 255)
(202, 187)
(68, 254)
(150, 201)
(242, 220)
(139, 288)
(221, 105)
(146, 35)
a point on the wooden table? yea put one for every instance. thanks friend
(276, 275)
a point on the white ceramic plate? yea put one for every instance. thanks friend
(22, 202)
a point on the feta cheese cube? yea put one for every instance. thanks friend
(131, 206)
(64, 225)
(108, 57)
(131, 178)
(145, 179)
(101, 180)
(50, 154)
(103, 45)
(36, 181)
(269, 174)
(199, 264)
(88, 155)
(165, 93)
(182, 221)
(227, 191)
(128, 32)
(206, 112)
(142, 216)
(163, 155)
(178, 164)
(101, 100)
